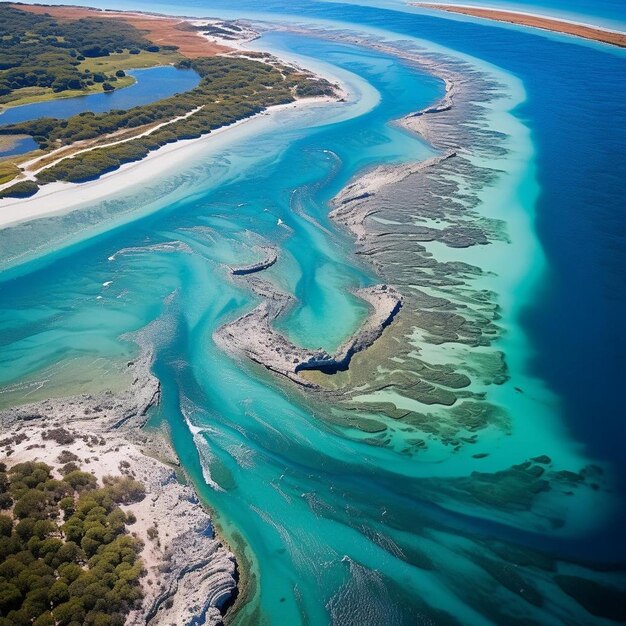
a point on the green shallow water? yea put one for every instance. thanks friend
(333, 528)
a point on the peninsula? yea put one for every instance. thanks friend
(74, 53)
(182, 573)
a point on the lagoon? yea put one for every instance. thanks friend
(154, 83)
(20, 145)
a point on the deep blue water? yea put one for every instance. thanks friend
(152, 84)
(575, 321)
(579, 131)
(578, 119)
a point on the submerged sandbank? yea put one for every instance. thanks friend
(565, 27)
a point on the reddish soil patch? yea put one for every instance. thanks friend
(546, 23)
(160, 30)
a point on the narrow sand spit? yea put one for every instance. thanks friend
(62, 197)
(585, 31)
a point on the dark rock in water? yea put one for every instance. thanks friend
(386, 408)
(271, 256)
(368, 425)
(571, 478)
(379, 443)
(598, 599)
(544, 459)
(416, 442)
(591, 471)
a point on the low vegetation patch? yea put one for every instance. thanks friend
(8, 171)
(66, 557)
(23, 189)
(39, 55)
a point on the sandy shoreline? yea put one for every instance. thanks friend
(585, 31)
(63, 197)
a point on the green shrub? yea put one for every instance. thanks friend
(55, 48)
(46, 577)
(23, 189)
(243, 87)
(80, 481)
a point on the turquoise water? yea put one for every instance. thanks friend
(152, 84)
(335, 530)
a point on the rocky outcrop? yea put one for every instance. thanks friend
(385, 303)
(351, 206)
(191, 575)
(253, 334)
(271, 256)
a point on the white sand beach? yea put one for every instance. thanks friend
(62, 197)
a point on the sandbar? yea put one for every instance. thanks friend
(585, 31)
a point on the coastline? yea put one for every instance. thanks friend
(196, 580)
(71, 196)
(161, 29)
(439, 490)
(437, 275)
(564, 27)
(191, 575)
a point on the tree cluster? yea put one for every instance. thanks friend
(23, 189)
(39, 51)
(66, 557)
